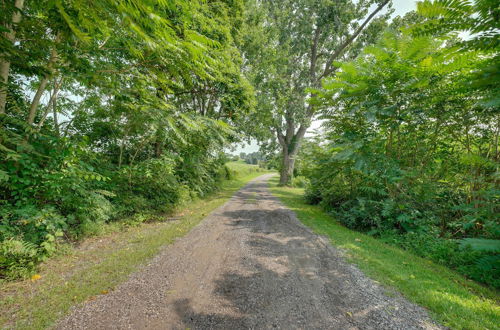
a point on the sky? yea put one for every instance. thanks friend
(401, 7)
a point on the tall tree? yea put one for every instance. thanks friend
(291, 46)
(11, 17)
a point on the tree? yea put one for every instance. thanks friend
(290, 47)
(108, 108)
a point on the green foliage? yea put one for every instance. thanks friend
(299, 181)
(481, 244)
(479, 17)
(17, 258)
(481, 266)
(152, 179)
(89, 214)
(411, 150)
(110, 109)
(27, 236)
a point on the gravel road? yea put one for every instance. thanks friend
(249, 265)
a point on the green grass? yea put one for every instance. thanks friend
(101, 263)
(243, 168)
(451, 299)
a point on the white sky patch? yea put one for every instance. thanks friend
(401, 7)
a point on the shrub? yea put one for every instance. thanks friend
(89, 214)
(312, 195)
(299, 181)
(409, 208)
(53, 189)
(27, 236)
(41, 227)
(151, 184)
(18, 258)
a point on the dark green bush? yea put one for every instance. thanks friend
(54, 192)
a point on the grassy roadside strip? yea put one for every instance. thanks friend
(451, 299)
(101, 263)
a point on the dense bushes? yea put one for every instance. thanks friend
(410, 151)
(48, 199)
(402, 205)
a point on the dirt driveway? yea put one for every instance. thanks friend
(249, 265)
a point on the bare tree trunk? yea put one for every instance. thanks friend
(52, 102)
(56, 121)
(4, 63)
(42, 86)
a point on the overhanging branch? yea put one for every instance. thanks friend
(329, 68)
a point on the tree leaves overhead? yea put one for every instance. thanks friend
(480, 18)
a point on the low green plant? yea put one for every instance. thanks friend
(479, 265)
(28, 235)
(299, 181)
(18, 258)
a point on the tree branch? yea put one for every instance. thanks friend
(329, 68)
(52, 100)
(314, 54)
(280, 136)
(43, 83)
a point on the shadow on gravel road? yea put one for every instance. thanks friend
(292, 279)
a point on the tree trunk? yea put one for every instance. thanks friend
(5, 63)
(158, 144)
(56, 121)
(290, 144)
(52, 104)
(287, 165)
(41, 88)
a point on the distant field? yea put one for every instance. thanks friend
(240, 168)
